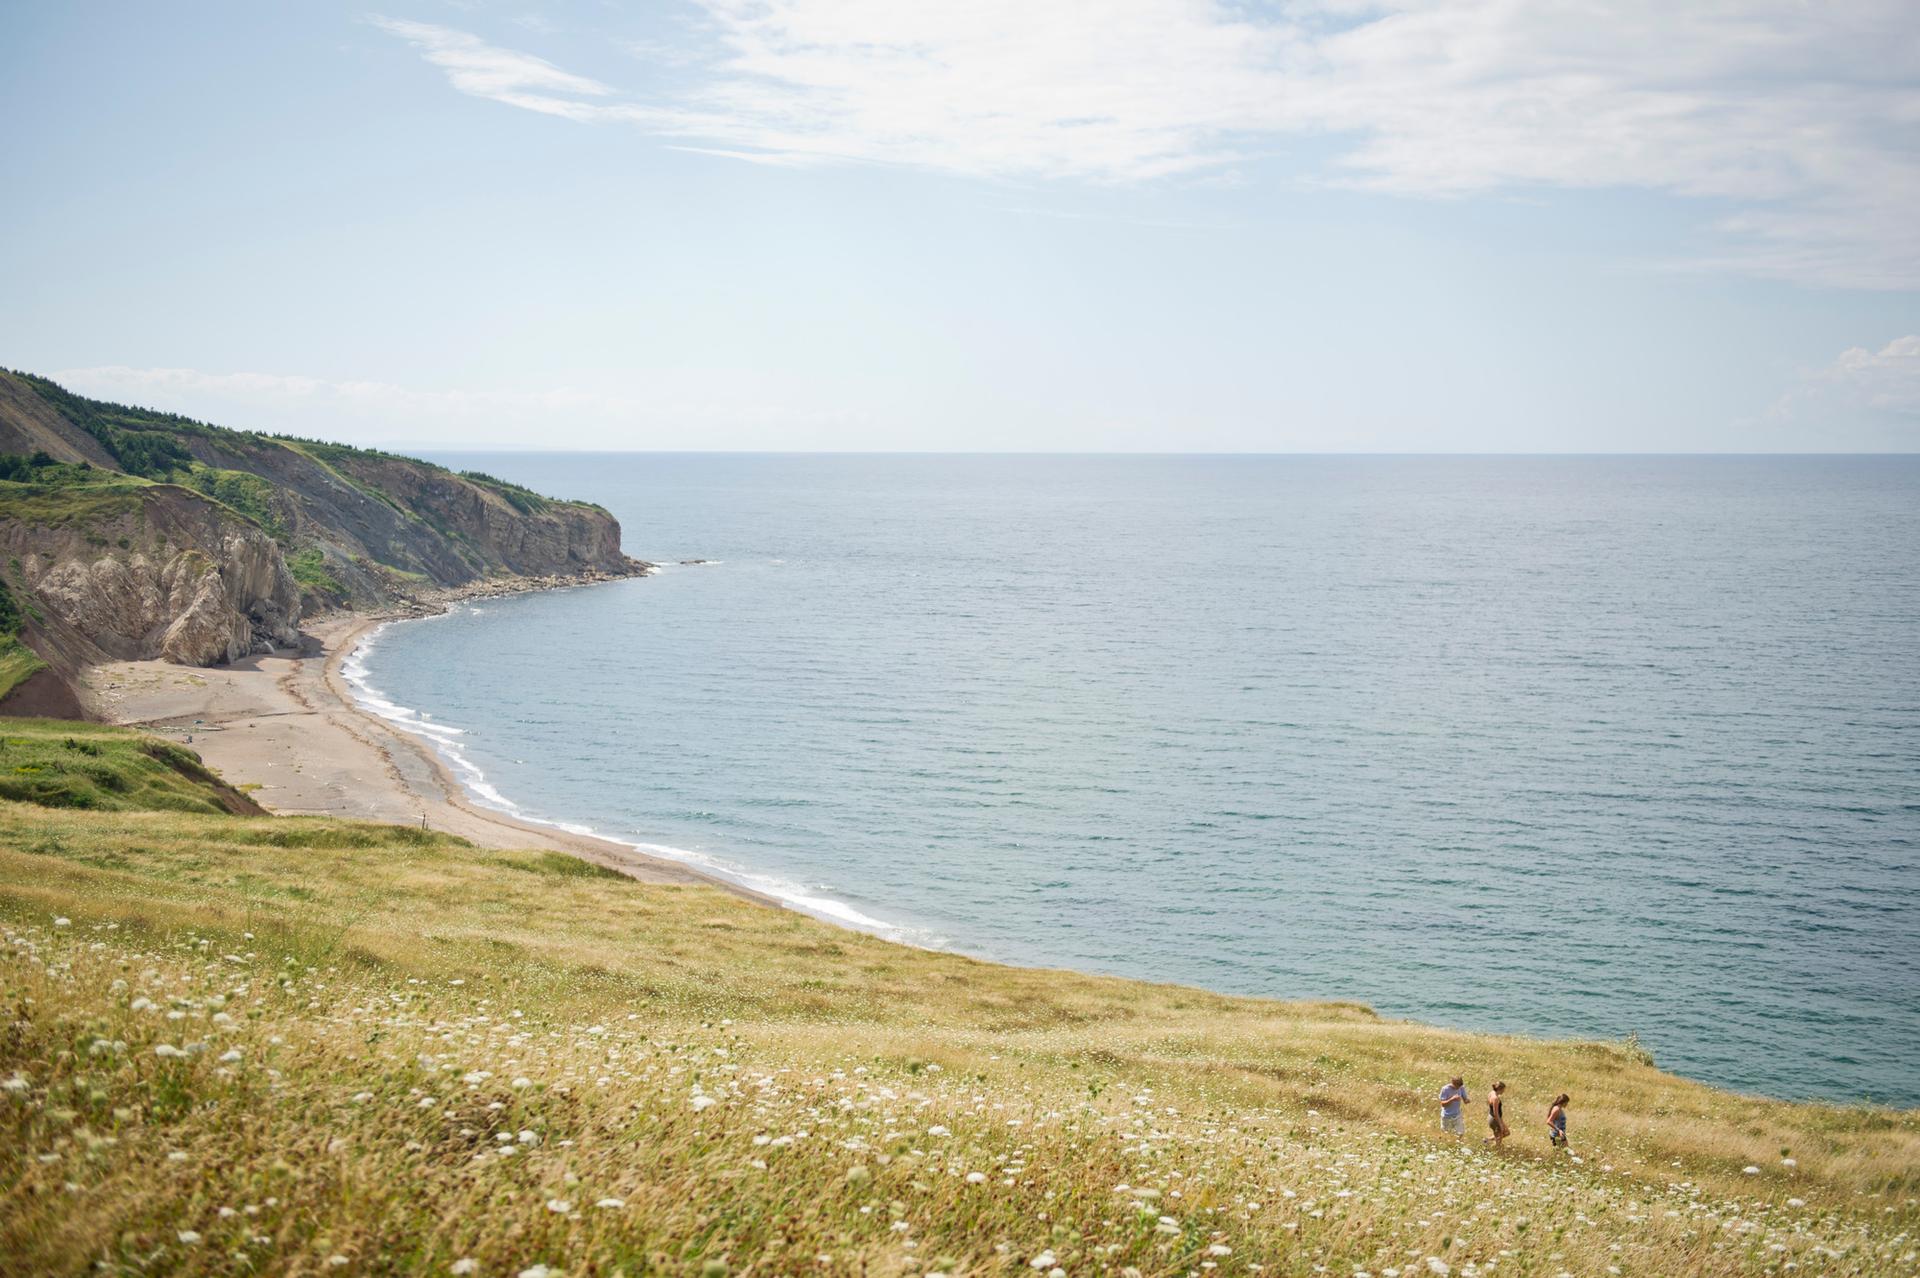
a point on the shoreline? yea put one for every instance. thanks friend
(286, 728)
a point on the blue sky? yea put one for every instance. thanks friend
(1132, 225)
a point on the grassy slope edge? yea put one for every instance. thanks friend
(253, 1044)
(18, 663)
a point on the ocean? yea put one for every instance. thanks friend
(1587, 747)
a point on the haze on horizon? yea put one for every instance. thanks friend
(1154, 225)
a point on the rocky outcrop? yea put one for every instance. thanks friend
(380, 520)
(547, 538)
(168, 574)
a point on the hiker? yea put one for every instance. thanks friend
(1496, 1116)
(1557, 1121)
(1453, 1098)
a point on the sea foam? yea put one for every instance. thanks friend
(446, 743)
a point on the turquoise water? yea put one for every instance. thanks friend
(1580, 746)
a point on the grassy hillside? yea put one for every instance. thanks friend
(18, 663)
(60, 764)
(156, 444)
(248, 1045)
(59, 495)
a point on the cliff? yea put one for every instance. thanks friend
(130, 533)
(145, 570)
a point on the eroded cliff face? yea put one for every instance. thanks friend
(172, 577)
(380, 519)
(549, 539)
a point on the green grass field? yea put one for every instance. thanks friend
(81, 498)
(245, 1045)
(17, 664)
(53, 763)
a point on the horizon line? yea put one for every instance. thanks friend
(940, 452)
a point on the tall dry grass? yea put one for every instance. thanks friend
(293, 1046)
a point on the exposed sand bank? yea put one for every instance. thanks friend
(285, 727)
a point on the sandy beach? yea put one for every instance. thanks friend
(284, 727)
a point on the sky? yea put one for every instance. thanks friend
(1049, 225)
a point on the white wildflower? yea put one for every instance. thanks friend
(1437, 1267)
(519, 1083)
(701, 1102)
(611, 1204)
(1044, 1260)
(559, 1206)
(466, 1265)
(1750, 1170)
(167, 1049)
(189, 1236)
(938, 1131)
(976, 1178)
(63, 921)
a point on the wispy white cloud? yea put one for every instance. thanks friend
(1886, 380)
(685, 408)
(121, 381)
(487, 71)
(1861, 398)
(1795, 121)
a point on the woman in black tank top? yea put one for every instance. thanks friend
(1496, 1114)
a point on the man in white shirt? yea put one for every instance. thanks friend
(1452, 1117)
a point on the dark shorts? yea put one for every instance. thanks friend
(1556, 1137)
